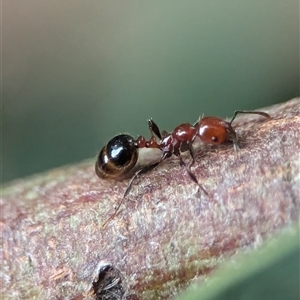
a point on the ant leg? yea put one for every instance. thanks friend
(154, 128)
(186, 146)
(191, 150)
(192, 153)
(137, 173)
(249, 112)
(144, 170)
(192, 175)
(114, 214)
(183, 164)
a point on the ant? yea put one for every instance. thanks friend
(120, 155)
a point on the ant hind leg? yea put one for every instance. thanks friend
(137, 173)
(128, 189)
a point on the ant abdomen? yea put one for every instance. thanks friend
(117, 158)
(214, 131)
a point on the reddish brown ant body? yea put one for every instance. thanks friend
(120, 155)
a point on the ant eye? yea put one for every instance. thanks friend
(117, 157)
(214, 139)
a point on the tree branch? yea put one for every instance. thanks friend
(166, 233)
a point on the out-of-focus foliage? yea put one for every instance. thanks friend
(270, 273)
(75, 73)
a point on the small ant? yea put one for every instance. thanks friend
(120, 155)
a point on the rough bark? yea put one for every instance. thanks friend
(166, 233)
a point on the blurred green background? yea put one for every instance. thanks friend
(76, 73)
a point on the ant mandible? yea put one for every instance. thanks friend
(120, 155)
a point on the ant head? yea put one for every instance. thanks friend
(214, 131)
(117, 157)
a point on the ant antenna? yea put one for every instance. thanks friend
(249, 112)
(233, 133)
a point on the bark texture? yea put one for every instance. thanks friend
(166, 233)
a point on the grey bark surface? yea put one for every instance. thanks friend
(166, 233)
